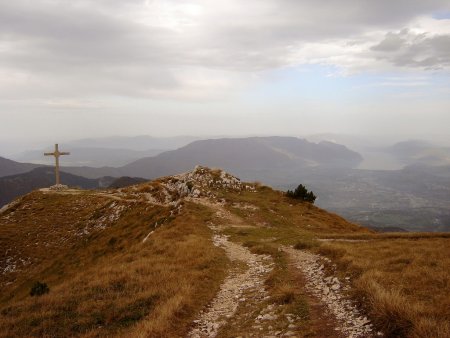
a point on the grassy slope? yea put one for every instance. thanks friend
(276, 221)
(110, 283)
(402, 280)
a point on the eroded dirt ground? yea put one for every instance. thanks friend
(244, 307)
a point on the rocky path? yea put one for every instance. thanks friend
(329, 291)
(244, 304)
(244, 283)
(241, 281)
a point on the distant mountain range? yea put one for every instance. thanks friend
(243, 155)
(91, 157)
(9, 167)
(247, 156)
(416, 197)
(420, 152)
(387, 154)
(234, 154)
(113, 151)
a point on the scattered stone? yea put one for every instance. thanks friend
(269, 317)
(58, 187)
(237, 283)
(335, 287)
(328, 280)
(328, 289)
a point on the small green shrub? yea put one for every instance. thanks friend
(39, 289)
(301, 193)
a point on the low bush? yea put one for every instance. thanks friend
(39, 289)
(301, 193)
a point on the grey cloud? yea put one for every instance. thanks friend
(68, 50)
(96, 47)
(392, 42)
(408, 49)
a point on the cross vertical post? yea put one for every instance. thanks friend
(57, 154)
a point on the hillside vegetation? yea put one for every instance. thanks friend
(149, 261)
(403, 280)
(103, 278)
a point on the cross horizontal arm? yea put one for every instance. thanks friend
(57, 153)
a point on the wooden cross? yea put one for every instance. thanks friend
(57, 154)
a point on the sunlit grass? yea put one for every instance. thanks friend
(403, 281)
(111, 283)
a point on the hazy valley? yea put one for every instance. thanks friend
(414, 198)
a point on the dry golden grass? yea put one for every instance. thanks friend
(43, 227)
(403, 282)
(110, 283)
(275, 210)
(402, 279)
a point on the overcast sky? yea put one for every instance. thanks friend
(74, 69)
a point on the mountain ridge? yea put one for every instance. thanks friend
(234, 155)
(10, 167)
(203, 253)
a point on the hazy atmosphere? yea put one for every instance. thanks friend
(76, 69)
(225, 168)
